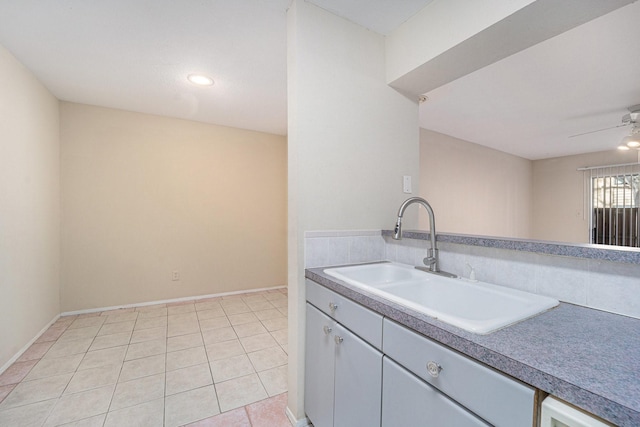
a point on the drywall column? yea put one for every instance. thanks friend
(351, 139)
(29, 207)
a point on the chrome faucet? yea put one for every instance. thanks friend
(431, 261)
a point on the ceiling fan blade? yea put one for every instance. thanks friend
(599, 130)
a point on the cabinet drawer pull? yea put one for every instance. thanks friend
(333, 306)
(433, 368)
(326, 329)
(338, 339)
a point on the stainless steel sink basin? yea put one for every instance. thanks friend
(477, 307)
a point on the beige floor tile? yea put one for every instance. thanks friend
(254, 298)
(108, 341)
(5, 390)
(211, 314)
(93, 378)
(151, 322)
(187, 357)
(116, 328)
(272, 313)
(224, 350)
(280, 303)
(122, 317)
(149, 312)
(107, 356)
(142, 367)
(79, 333)
(148, 414)
(231, 367)
(74, 407)
(218, 335)
(146, 348)
(190, 406)
(260, 305)
(184, 341)
(240, 392)
(269, 412)
(95, 421)
(28, 392)
(275, 296)
(181, 309)
(188, 378)
(151, 307)
(183, 317)
(242, 318)
(52, 334)
(140, 390)
(258, 342)
(235, 418)
(268, 358)
(233, 309)
(285, 347)
(183, 328)
(281, 336)
(55, 366)
(274, 380)
(17, 372)
(249, 329)
(214, 323)
(284, 311)
(275, 324)
(86, 322)
(36, 351)
(28, 415)
(149, 334)
(68, 348)
(208, 305)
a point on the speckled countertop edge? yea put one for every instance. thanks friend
(602, 252)
(486, 349)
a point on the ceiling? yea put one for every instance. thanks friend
(529, 104)
(135, 55)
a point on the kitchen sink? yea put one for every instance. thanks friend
(475, 306)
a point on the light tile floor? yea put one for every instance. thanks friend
(215, 362)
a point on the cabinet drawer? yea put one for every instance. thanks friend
(498, 399)
(409, 401)
(360, 320)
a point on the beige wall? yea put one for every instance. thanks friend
(474, 189)
(144, 195)
(351, 139)
(561, 204)
(29, 207)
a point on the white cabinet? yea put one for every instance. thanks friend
(409, 401)
(343, 373)
(494, 397)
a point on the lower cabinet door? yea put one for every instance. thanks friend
(358, 381)
(409, 401)
(319, 367)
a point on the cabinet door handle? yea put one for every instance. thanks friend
(326, 329)
(338, 339)
(433, 368)
(333, 306)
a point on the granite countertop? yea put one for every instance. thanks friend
(586, 357)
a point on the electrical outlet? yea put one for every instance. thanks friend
(175, 275)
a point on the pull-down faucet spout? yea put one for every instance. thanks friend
(432, 260)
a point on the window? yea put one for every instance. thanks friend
(615, 199)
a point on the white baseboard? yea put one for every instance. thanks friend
(167, 301)
(304, 422)
(26, 347)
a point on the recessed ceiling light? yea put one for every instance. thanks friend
(200, 79)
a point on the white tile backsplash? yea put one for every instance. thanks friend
(603, 285)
